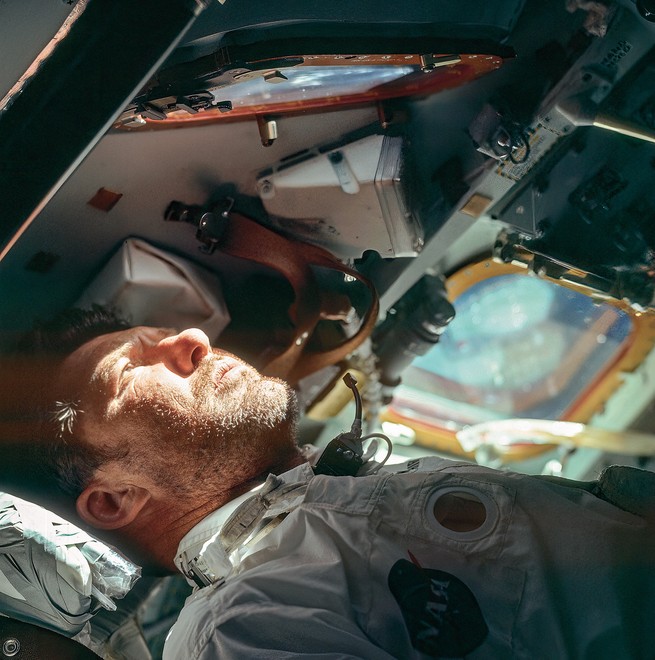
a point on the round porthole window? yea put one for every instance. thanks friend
(462, 513)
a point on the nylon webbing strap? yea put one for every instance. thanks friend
(247, 239)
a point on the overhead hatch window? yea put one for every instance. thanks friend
(307, 83)
(202, 90)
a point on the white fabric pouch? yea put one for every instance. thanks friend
(54, 574)
(152, 287)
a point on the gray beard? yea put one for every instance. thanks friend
(231, 436)
(251, 399)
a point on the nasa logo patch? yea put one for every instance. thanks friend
(441, 613)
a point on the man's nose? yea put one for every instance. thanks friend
(182, 352)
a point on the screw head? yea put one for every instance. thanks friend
(266, 189)
(10, 647)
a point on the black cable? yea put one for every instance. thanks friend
(356, 427)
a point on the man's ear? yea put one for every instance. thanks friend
(111, 507)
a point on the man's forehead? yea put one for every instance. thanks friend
(95, 349)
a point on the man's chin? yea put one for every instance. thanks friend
(274, 401)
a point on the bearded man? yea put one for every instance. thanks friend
(157, 439)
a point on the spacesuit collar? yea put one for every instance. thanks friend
(203, 555)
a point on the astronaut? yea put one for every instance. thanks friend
(185, 458)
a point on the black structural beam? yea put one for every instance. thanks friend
(111, 50)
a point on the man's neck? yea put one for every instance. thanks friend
(155, 536)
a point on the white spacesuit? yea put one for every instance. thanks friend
(436, 559)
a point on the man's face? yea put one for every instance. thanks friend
(167, 395)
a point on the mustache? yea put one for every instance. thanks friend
(213, 392)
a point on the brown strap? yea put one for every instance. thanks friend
(293, 259)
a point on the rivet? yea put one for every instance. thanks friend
(302, 338)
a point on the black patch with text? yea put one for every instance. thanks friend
(441, 613)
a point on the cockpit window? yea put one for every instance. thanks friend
(519, 347)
